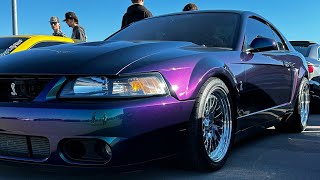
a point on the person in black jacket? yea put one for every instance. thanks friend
(135, 12)
(190, 7)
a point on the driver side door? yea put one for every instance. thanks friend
(268, 77)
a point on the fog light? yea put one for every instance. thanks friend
(103, 150)
(108, 150)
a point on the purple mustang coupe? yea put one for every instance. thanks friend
(192, 80)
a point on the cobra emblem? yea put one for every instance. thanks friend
(13, 93)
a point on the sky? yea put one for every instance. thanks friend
(297, 20)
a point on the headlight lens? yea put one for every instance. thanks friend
(100, 86)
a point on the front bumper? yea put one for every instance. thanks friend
(128, 126)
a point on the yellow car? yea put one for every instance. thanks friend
(13, 44)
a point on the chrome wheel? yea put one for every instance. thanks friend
(304, 100)
(217, 124)
(298, 120)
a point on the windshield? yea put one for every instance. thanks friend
(7, 45)
(209, 29)
(303, 50)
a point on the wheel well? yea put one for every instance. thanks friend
(234, 97)
(233, 92)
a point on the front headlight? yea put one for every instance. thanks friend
(102, 87)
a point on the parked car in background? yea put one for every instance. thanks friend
(311, 51)
(193, 80)
(13, 44)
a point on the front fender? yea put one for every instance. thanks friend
(186, 74)
(189, 80)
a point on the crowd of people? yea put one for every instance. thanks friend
(136, 12)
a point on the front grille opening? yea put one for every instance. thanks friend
(21, 89)
(19, 146)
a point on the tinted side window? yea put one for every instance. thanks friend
(45, 44)
(280, 42)
(256, 29)
(318, 53)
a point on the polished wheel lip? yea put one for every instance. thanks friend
(217, 124)
(304, 100)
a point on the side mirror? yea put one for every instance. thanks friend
(261, 44)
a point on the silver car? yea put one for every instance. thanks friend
(311, 51)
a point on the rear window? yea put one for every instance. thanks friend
(303, 50)
(7, 45)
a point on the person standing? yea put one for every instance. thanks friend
(136, 12)
(78, 32)
(190, 7)
(55, 25)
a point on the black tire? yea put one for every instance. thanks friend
(314, 106)
(298, 121)
(198, 127)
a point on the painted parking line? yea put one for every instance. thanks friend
(312, 129)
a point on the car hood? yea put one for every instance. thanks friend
(100, 58)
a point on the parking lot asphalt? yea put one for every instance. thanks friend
(269, 155)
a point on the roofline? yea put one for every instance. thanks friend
(313, 42)
(11, 36)
(208, 11)
(304, 43)
(37, 36)
(30, 35)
